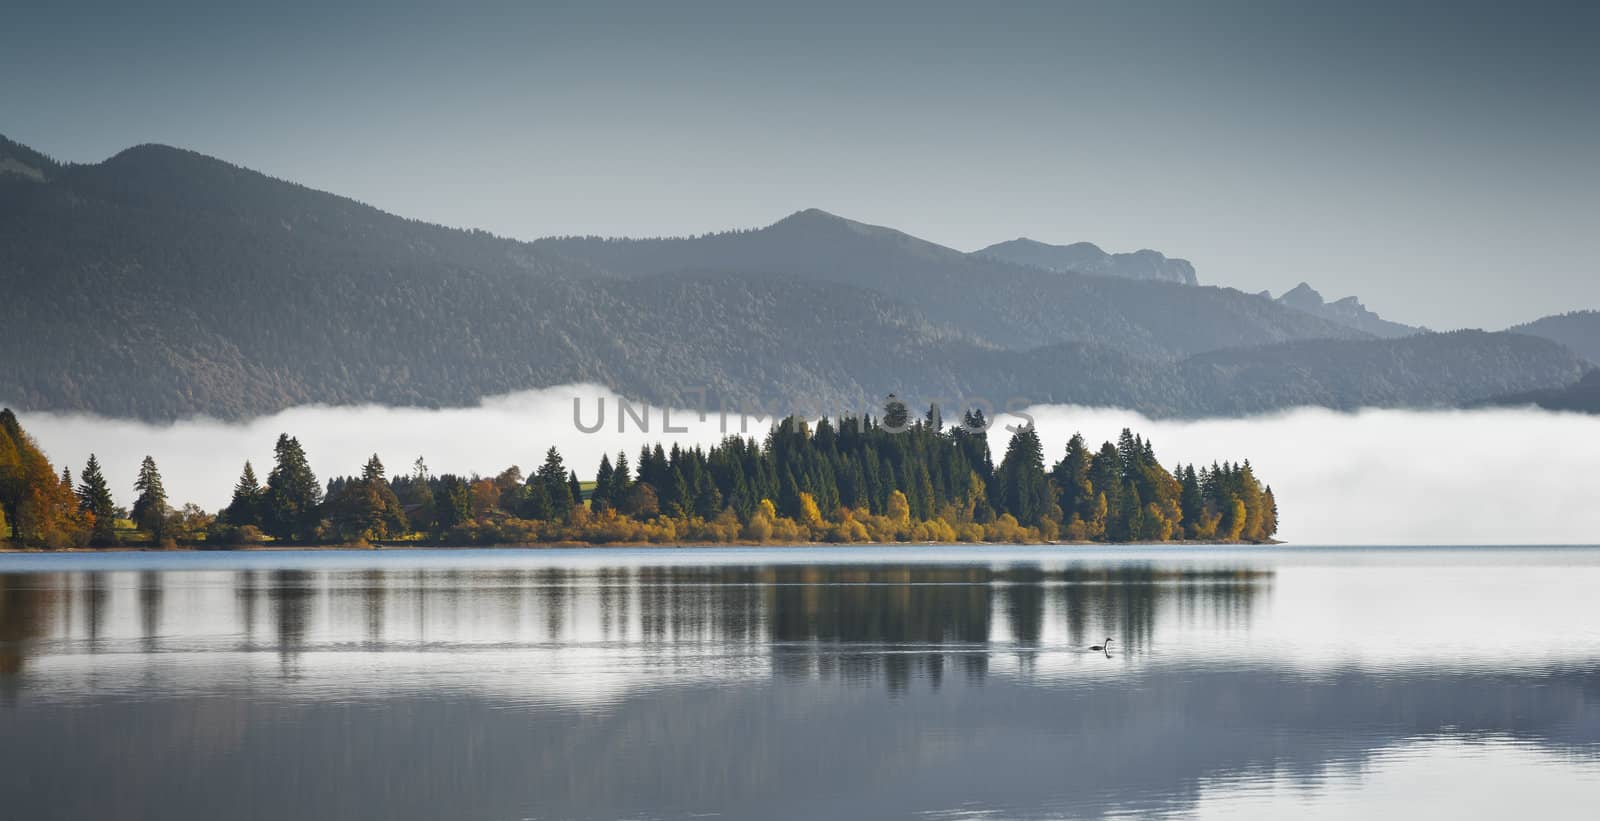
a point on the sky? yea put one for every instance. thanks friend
(1436, 159)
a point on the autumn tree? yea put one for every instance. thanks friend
(41, 510)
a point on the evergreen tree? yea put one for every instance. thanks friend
(574, 488)
(600, 498)
(366, 507)
(707, 499)
(1020, 484)
(536, 501)
(415, 494)
(1075, 493)
(1192, 502)
(372, 471)
(552, 476)
(293, 497)
(244, 509)
(150, 508)
(94, 499)
(454, 502)
(621, 480)
(1270, 502)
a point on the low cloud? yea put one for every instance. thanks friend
(1509, 476)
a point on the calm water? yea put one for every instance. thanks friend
(852, 683)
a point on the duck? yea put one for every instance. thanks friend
(1102, 647)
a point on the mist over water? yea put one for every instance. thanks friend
(1503, 476)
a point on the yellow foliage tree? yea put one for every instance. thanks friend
(899, 510)
(1236, 523)
(810, 516)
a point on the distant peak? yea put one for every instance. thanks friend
(811, 215)
(1089, 258)
(1346, 311)
(158, 151)
(1302, 296)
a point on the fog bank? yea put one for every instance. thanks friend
(1505, 476)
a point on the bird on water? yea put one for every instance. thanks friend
(1102, 647)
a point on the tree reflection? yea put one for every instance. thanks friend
(290, 593)
(887, 623)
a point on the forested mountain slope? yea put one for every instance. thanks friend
(162, 283)
(1014, 306)
(1578, 330)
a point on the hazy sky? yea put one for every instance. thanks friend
(1440, 160)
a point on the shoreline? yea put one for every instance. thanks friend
(610, 545)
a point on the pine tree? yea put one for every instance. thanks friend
(1192, 501)
(372, 471)
(707, 499)
(536, 501)
(552, 476)
(1020, 484)
(415, 494)
(621, 481)
(365, 508)
(574, 488)
(600, 498)
(293, 497)
(1270, 527)
(245, 507)
(455, 502)
(150, 508)
(94, 498)
(1075, 494)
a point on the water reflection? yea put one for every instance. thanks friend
(798, 689)
(811, 618)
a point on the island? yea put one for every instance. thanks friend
(891, 478)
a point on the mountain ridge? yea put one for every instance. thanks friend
(167, 284)
(1088, 258)
(1011, 305)
(1347, 311)
(1578, 330)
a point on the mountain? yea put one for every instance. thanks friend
(1348, 312)
(1005, 304)
(1424, 370)
(1582, 396)
(1087, 258)
(1579, 330)
(162, 283)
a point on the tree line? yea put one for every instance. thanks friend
(891, 478)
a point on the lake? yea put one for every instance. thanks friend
(804, 683)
